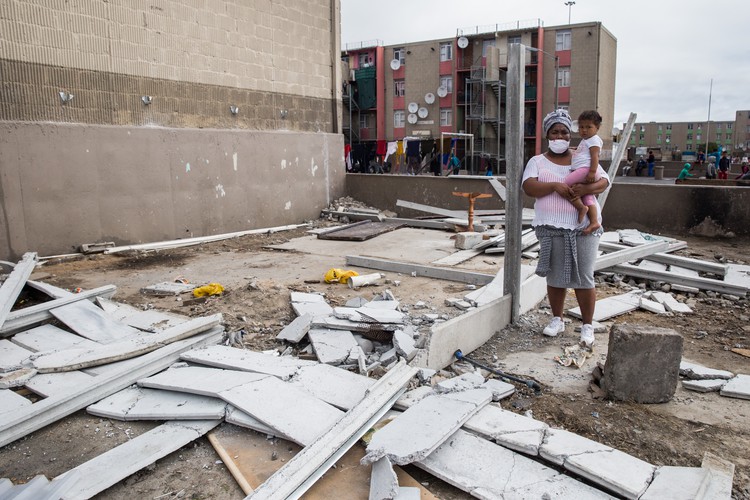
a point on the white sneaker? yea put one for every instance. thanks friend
(587, 335)
(555, 327)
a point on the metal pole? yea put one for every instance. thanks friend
(513, 173)
(708, 122)
(557, 82)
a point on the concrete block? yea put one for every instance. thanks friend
(709, 385)
(297, 329)
(404, 344)
(468, 239)
(508, 429)
(307, 297)
(414, 434)
(410, 398)
(642, 364)
(424, 375)
(365, 344)
(652, 306)
(559, 445)
(242, 419)
(678, 482)
(331, 346)
(221, 356)
(383, 481)
(671, 303)
(138, 403)
(613, 470)
(499, 389)
(315, 309)
(371, 314)
(694, 371)
(16, 378)
(340, 388)
(464, 382)
(388, 357)
(738, 387)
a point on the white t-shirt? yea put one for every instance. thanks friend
(553, 209)
(582, 155)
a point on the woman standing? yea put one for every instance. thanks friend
(567, 256)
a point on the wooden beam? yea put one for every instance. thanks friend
(23, 318)
(420, 270)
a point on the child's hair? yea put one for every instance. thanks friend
(591, 116)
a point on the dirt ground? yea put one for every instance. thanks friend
(258, 281)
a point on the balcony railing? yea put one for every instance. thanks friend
(363, 45)
(493, 28)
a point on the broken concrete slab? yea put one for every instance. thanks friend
(425, 375)
(671, 303)
(49, 338)
(613, 470)
(382, 304)
(48, 384)
(12, 356)
(91, 322)
(388, 357)
(410, 398)
(468, 239)
(414, 434)
(246, 360)
(356, 302)
(16, 378)
(349, 314)
(738, 387)
(508, 429)
(153, 320)
(307, 297)
(167, 288)
(464, 382)
(138, 403)
(331, 346)
(383, 482)
(10, 401)
(559, 445)
(199, 380)
(381, 315)
(297, 329)
(499, 389)
(486, 470)
(706, 385)
(330, 322)
(652, 306)
(419, 270)
(14, 283)
(721, 476)
(694, 371)
(643, 363)
(315, 309)
(612, 306)
(242, 419)
(557, 487)
(340, 388)
(404, 345)
(678, 482)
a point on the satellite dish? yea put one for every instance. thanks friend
(395, 64)
(422, 113)
(413, 107)
(412, 118)
(429, 98)
(463, 42)
(442, 91)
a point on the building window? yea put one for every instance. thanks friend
(563, 77)
(690, 137)
(566, 107)
(699, 126)
(640, 137)
(688, 147)
(660, 127)
(718, 137)
(446, 117)
(718, 126)
(486, 44)
(669, 126)
(729, 126)
(643, 128)
(697, 137)
(400, 54)
(399, 88)
(563, 40)
(399, 117)
(690, 126)
(365, 60)
(514, 39)
(446, 51)
(363, 121)
(447, 83)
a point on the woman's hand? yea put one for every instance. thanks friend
(594, 188)
(564, 190)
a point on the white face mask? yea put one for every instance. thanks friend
(559, 146)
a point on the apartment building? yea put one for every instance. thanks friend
(742, 130)
(436, 88)
(675, 137)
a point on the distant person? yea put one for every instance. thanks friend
(585, 166)
(454, 164)
(435, 160)
(710, 168)
(640, 166)
(724, 165)
(627, 167)
(685, 172)
(700, 159)
(651, 159)
(745, 172)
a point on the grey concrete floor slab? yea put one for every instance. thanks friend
(614, 471)
(242, 419)
(50, 338)
(12, 355)
(199, 380)
(414, 434)
(508, 429)
(10, 401)
(738, 387)
(676, 483)
(709, 385)
(90, 321)
(139, 403)
(500, 390)
(340, 388)
(560, 445)
(331, 346)
(307, 297)
(409, 398)
(297, 329)
(48, 384)
(694, 371)
(383, 481)
(315, 309)
(232, 358)
(463, 382)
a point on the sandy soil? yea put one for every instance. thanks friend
(259, 280)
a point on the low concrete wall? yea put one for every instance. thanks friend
(659, 208)
(62, 185)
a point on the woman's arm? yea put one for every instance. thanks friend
(594, 188)
(536, 189)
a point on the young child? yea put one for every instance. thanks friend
(584, 167)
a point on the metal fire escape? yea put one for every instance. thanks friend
(485, 114)
(351, 128)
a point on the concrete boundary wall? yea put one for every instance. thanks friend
(667, 209)
(62, 185)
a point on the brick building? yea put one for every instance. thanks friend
(445, 86)
(674, 137)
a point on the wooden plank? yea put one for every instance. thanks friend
(302, 471)
(419, 270)
(78, 358)
(14, 283)
(665, 258)
(113, 466)
(93, 323)
(57, 406)
(431, 210)
(250, 458)
(23, 318)
(702, 283)
(627, 254)
(360, 231)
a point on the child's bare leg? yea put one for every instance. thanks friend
(582, 209)
(593, 220)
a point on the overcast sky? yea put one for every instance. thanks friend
(667, 50)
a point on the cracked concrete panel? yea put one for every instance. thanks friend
(508, 429)
(414, 434)
(410, 398)
(242, 419)
(704, 385)
(340, 388)
(678, 482)
(738, 387)
(500, 390)
(138, 403)
(383, 482)
(296, 330)
(199, 380)
(613, 470)
(694, 371)
(307, 297)
(221, 356)
(559, 445)
(558, 487)
(314, 309)
(331, 346)
(464, 382)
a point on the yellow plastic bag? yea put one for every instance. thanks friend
(339, 275)
(206, 290)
